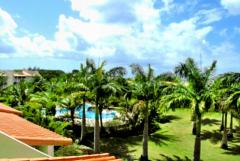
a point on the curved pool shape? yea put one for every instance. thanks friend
(90, 114)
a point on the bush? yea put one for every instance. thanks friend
(113, 123)
(73, 150)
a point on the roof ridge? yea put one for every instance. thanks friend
(93, 157)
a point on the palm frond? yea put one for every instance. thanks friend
(233, 101)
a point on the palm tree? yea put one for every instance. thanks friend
(145, 88)
(71, 102)
(3, 80)
(194, 91)
(233, 102)
(127, 105)
(81, 78)
(18, 94)
(39, 84)
(69, 92)
(47, 100)
(113, 79)
(99, 85)
(225, 85)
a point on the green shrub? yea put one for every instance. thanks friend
(73, 150)
(69, 150)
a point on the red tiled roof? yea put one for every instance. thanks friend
(26, 131)
(7, 109)
(94, 157)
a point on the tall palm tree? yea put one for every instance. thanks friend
(113, 80)
(193, 89)
(81, 77)
(99, 85)
(145, 88)
(233, 102)
(225, 85)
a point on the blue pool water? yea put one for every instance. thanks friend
(90, 113)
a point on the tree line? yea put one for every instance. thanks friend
(140, 100)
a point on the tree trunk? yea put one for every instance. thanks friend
(72, 111)
(230, 133)
(222, 124)
(197, 145)
(83, 127)
(194, 128)
(224, 144)
(96, 128)
(194, 124)
(101, 122)
(144, 156)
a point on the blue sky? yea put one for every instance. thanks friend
(61, 34)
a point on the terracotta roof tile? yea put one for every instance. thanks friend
(94, 157)
(7, 109)
(27, 131)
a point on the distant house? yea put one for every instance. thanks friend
(15, 76)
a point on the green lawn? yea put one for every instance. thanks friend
(175, 142)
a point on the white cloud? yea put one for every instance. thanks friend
(33, 45)
(7, 24)
(143, 38)
(87, 9)
(137, 35)
(209, 16)
(233, 6)
(100, 51)
(89, 31)
(16, 46)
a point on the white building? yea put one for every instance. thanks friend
(15, 76)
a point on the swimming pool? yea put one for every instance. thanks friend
(90, 113)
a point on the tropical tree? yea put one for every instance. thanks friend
(38, 84)
(47, 100)
(126, 105)
(99, 85)
(85, 94)
(233, 102)
(71, 96)
(225, 86)
(113, 79)
(71, 102)
(146, 90)
(18, 94)
(193, 91)
(3, 80)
